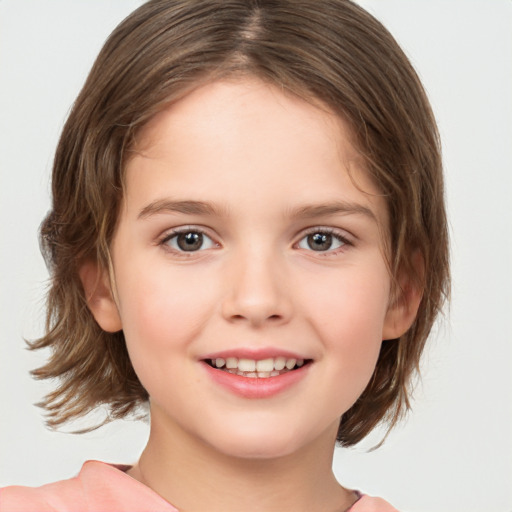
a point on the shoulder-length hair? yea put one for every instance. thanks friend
(332, 52)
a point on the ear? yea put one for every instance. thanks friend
(405, 301)
(98, 293)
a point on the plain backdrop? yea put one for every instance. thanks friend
(455, 451)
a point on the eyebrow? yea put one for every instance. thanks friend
(190, 207)
(170, 206)
(334, 208)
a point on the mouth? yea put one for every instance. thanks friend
(257, 368)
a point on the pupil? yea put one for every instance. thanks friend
(190, 241)
(320, 241)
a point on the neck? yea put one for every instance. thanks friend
(194, 476)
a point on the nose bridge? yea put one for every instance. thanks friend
(257, 286)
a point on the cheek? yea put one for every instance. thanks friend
(164, 310)
(351, 304)
(348, 315)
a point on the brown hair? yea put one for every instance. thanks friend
(330, 51)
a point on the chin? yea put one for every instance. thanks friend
(255, 442)
(263, 450)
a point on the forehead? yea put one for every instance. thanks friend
(240, 100)
(245, 136)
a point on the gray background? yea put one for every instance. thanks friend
(455, 451)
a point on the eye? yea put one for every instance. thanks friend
(322, 241)
(190, 240)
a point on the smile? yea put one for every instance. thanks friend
(253, 368)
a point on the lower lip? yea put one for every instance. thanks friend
(255, 387)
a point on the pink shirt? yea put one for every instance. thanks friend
(107, 488)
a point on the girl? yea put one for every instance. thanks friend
(245, 197)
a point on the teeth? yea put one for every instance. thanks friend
(265, 365)
(263, 368)
(279, 363)
(290, 363)
(232, 362)
(246, 365)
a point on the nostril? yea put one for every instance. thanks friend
(255, 312)
(243, 317)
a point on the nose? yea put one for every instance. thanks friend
(257, 292)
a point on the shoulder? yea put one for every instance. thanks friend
(47, 498)
(98, 486)
(371, 504)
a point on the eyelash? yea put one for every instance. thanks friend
(336, 234)
(167, 237)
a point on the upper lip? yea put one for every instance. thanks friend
(255, 353)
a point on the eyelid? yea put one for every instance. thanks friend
(346, 238)
(173, 232)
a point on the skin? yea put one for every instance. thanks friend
(267, 164)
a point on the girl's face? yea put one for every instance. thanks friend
(244, 243)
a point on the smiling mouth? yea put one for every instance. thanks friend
(261, 369)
